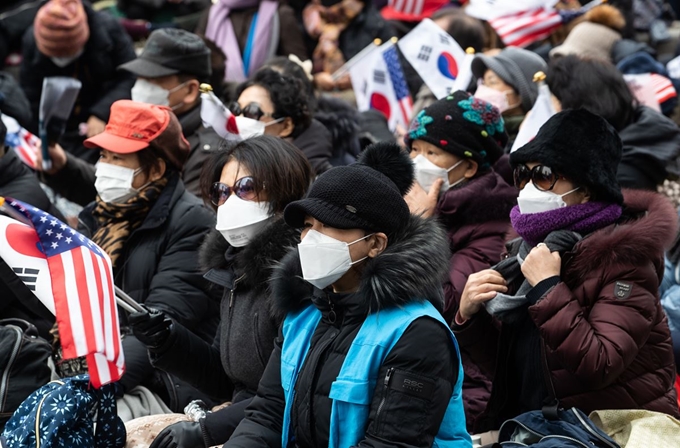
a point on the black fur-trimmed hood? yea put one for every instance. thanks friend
(413, 267)
(257, 258)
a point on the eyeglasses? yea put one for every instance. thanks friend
(252, 110)
(543, 177)
(244, 188)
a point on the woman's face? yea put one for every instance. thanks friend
(357, 250)
(125, 160)
(233, 171)
(492, 80)
(259, 95)
(563, 186)
(442, 159)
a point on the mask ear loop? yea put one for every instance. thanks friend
(278, 120)
(356, 241)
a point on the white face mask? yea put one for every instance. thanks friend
(533, 200)
(64, 61)
(147, 92)
(247, 127)
(427, 172)
(324, 260)
(495, 97)
(239, 220)
(114, 183)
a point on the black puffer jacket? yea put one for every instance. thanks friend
(316, 144)
(202, 141)
(159, 268)
(412, 267)
(108, 47)
(19, 182)
(233, 365)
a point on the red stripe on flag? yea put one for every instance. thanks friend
(113, 310)
(63, 316)
(84, 299)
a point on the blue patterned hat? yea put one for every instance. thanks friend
(463, 125)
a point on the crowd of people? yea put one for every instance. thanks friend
(321, 277)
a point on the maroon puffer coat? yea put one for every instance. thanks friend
(606, 342)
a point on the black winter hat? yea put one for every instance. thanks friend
(365, 195)
(581, 146)
(463, 125)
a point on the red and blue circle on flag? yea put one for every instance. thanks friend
(447, 65)
(380, 103)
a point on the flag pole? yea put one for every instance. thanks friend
(127, 303)
(342, 71)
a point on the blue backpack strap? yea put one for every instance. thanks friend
(298, 329)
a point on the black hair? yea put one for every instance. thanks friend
(287, 67)
(467, 31)
(594, 85)
(278, 167)
(287, 94)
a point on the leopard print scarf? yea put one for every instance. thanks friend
(117, 221)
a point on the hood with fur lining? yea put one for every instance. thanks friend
(413, 267)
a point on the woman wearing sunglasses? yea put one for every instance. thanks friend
(572, 315)
(274, 104)
(249, 184)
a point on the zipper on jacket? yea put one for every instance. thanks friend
(229, 315)
(12, 358)
(591, 430)
(233, 289)
(386, 383)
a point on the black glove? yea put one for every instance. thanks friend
(152, 327)
(180, 435)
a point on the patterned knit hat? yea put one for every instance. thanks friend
(60, 28)
(462, 125)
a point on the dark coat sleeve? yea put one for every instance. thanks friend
(183, 352)
(478, 337)
(75, 181)
(137, 366)
(291, 41)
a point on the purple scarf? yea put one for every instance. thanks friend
(580, 218)
(221, 31)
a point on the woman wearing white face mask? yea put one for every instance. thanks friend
(573, 313)
(360, 296)
(274, 104)
(249, 184)
(151, 227)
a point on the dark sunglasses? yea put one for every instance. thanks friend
(252, 110)
(543, 177)
(244, 188)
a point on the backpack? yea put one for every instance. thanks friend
(23, 364)
(62, 414)
(561, 428)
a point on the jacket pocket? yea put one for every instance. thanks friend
(287, 376)
(351, 402)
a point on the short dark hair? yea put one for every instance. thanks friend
(467, 31)
(287, 95)
(278, 167)
(149, 159)
(594, 85)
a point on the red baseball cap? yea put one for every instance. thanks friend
(131, 127)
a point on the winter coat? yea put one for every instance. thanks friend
(316, 144)
(669, 291)
(108, 47)
(15, 18)
(232, 366)
(604, 341)
(19, 182)
(651, 147)
(425, 350)
(159, 268)
(342, 121)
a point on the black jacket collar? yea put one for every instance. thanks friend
(191, 120)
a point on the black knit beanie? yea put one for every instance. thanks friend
(462, 125)
(582, 147)
(366, 195)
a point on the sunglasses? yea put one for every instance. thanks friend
(543, 177)
(252, 110)
(244, 188)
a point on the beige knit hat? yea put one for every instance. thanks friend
(595, 36)
(60, 28)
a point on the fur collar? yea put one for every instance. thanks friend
(257, 258)
(413, 267)
(648, 227)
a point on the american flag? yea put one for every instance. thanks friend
(524, 28)
(401, 91)
(22, 142)
(83, 291)
(663, 88)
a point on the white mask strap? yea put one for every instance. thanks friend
(570, 192)
(278, 120)
(454, 166)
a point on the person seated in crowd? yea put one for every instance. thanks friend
(68, 38)
(572, 315)
(669, 292)
(277, 105)
(151, 228)
(455, 181)
(651, 142)
(356, 328)
(336, 31)
(250, 184)
(250, 32)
